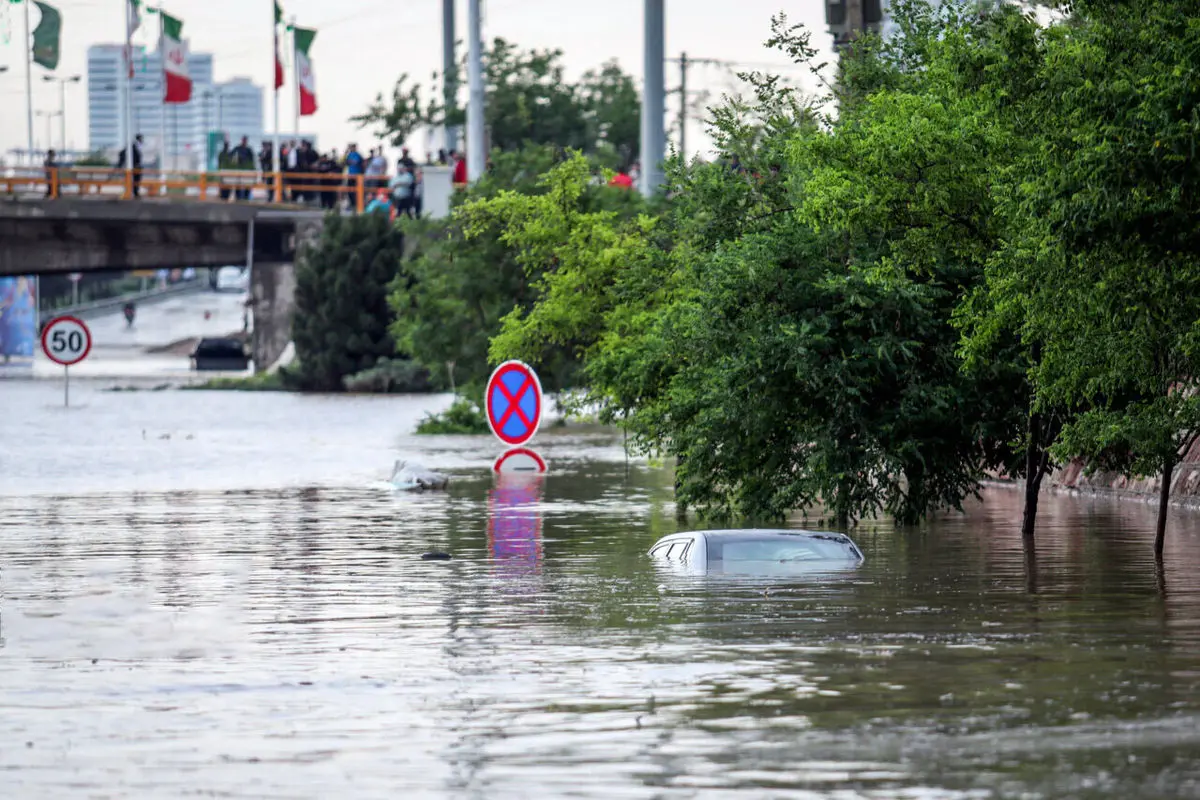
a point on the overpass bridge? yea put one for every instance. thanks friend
(45, 237)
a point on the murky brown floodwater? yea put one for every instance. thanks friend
(237, 611)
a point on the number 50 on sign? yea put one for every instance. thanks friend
(66, 341)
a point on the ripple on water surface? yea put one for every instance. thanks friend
(269, 630)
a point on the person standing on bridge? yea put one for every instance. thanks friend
(266, 167)
(243, 160)
(51, 165)
(136, 164)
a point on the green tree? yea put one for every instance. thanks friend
(786, 328)
(462, 277)
(341, 322)
(1106, 205)
(528, 101)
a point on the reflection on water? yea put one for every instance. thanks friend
(514, 523)
(267, 629)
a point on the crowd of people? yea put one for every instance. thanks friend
(330, 179)
(325, 179)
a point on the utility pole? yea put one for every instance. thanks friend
(476, 150)
(653, 97)
(685, 62)
(449, 72)
(683, 101)
(29, 80)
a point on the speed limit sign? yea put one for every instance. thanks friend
(66, 340)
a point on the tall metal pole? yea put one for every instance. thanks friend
(449, 71)
(653, 95)
(476, 151)
(275, 56)
(295, 80)
(128, 108)
(162, 105)
(29, 79)
(683, 109)
(62, 118)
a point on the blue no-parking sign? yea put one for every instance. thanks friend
(514, 402)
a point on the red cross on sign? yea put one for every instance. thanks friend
(513, 402)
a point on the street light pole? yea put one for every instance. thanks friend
(449, 71)
(62, 105)
(476, 149)
(29, 79)
(653, 91)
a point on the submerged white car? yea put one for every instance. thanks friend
(756, 551)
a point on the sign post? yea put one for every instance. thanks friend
(513, 404)
(66, 340)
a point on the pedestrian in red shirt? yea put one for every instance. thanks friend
(622, 180)
(460, 167)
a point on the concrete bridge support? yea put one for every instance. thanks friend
(273, 300)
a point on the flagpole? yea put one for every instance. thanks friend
(275, 65)
(162, 106)
(295, 80)
(129, 135)
(29, 79)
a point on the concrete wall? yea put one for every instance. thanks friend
(439, 188)
(1185, 482)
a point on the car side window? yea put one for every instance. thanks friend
(661, 550)
(679, 549)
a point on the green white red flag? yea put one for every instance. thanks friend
(303, 39)
(278, 60)
(178, 85)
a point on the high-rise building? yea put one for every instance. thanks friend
(179, 129)
(240, 111)
(847, 16)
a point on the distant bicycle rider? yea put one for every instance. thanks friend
(130, 311)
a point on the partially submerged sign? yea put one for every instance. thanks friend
(520, 460)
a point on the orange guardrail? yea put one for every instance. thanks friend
(229, 185)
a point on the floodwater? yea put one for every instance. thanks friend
(208, 594)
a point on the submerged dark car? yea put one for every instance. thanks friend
(756, 551)
(223, 354)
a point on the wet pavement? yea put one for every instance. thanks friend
(232, 605)
(120, 350)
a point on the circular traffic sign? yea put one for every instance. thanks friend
(514, 402)
(66, 340)
(520, 459)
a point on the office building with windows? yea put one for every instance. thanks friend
(178, 131)
(872, 16)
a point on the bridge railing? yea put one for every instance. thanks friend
(229, 185)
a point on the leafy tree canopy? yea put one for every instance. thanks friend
(528, 101)
(341, 322)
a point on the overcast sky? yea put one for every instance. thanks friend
(363, 45)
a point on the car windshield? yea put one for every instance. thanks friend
(778, 548)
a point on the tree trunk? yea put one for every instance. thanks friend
(1033, 474)
(1164, 499)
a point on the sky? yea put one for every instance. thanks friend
(362, 46)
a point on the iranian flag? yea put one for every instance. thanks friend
(303, 39)
(174, 58)
(278, 60)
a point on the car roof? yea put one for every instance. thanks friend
(768, 532)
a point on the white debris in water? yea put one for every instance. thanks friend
(409, 476)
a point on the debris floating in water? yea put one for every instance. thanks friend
(436, 556)
(411, 476)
